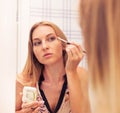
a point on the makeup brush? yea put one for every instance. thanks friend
(67, 42)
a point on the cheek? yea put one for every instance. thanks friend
(59, 52)
(37, 53)
(34, 51)
(59, 49)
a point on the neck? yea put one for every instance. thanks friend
(54, 73)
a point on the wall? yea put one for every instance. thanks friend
(8, 61)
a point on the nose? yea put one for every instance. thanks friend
(44, 45)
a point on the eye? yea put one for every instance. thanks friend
(52, 38)
(37, 43)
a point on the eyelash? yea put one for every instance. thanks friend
(52, 38)
(36, 43)
(49, 39)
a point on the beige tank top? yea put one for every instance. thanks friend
(63, 105)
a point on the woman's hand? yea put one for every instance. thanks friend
(75, 55)
(33, 107)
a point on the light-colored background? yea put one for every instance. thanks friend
(8, 56)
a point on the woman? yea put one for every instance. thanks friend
(53, 65)
(100, 22)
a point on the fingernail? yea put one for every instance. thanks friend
(42, 102)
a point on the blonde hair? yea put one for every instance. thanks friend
(33, 68)
(100, 23)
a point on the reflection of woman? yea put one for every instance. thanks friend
(54, 65)
(100, 22)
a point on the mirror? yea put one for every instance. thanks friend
(62, 13)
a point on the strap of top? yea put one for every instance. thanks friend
(60, 98)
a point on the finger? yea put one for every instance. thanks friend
(21, 93)
(69, 53)
(79, 47)
(36, 110)
(76, 54)
(40, 104)
(75, 50)
(27, 110)
(68, 49)
(30, 104)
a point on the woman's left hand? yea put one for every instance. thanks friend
(75, 55)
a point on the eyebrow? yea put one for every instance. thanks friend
(46, 36)
(35, 39)
(50, 34)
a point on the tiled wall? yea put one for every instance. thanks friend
(63, 12)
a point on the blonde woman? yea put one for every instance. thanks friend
(100, 23)
(52, 67)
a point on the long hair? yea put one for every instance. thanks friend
(33, 68)
(100, 23)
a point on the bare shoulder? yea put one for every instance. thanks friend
(19, 84)
(19, 88)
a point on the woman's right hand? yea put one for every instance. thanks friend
(75, 55)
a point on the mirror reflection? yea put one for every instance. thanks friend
(51, 59)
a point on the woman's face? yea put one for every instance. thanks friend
(46, 47)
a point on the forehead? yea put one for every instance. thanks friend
(43, 30)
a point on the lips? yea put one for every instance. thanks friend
(47, 54)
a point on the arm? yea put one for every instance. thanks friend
(78, 88)
(77, 80)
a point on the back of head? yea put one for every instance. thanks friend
(100, 22)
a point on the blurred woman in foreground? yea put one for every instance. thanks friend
(100, 23)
